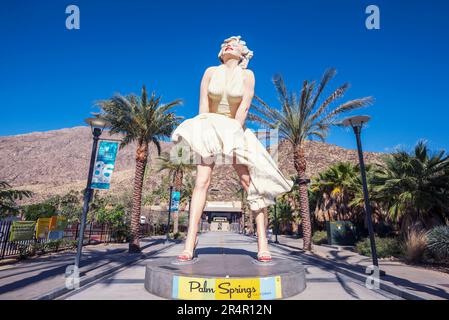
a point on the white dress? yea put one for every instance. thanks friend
(217, 133)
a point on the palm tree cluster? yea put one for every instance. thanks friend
(414, 187)
(339, 196)
(409, 189)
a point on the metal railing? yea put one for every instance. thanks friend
(94, 233)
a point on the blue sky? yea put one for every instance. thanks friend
(51, 76)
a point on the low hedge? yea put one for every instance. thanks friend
(385, 247)
(319, 237)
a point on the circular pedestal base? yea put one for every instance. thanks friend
(224, 277)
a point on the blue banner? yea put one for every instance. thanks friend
(176, 195)
(55, 235)
(104, 165)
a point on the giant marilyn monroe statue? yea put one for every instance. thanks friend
(219, 130)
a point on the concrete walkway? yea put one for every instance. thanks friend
(321, 283)
(39, 276)
(425, 283)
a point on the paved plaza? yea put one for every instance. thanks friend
(110, 272)
(321, 283)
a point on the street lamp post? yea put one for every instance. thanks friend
(356, 123)
(169, 213)
(97, 124)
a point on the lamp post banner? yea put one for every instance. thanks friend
(176, 195)
(104, 165)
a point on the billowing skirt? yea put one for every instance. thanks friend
(210, 135)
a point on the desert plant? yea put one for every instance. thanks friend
(37, 248)
(24, 251)
(414, 187)
(319, 237)
(438, 242)
(53, 245)
(337, 182)
(178, 235)
(284, 215)
(385, 247)
(414, 246)
(70, 244)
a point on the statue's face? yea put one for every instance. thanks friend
(232, 49)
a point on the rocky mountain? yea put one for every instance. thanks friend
(54, 162)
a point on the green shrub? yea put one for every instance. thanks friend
(319, 237)
(116, 217)
(39, 210)
(178, 235)
(37, 248)
(385, 247)
(53, 245)
(438, 242)
(70, 244)
(23, 251)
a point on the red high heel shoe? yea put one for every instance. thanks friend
(264, 256)
(186, 255)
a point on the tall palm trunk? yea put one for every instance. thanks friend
(141, 162)
(178, 186)
(300, 164)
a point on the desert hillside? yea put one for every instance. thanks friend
(54, 162)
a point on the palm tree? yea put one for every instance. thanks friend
(143, 121)
(8, 198)
(357, 202)
(299, 118)
(284, 214)
(188, 185)
(415, 187)
(292, 199)
(176, 169)
(240, 192)
(335, 188)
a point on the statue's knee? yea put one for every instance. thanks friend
(245, 180)
(202, 184)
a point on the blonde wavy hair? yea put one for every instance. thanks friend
(246, 53)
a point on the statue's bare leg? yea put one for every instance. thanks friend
(198, 201)
(245, 179)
